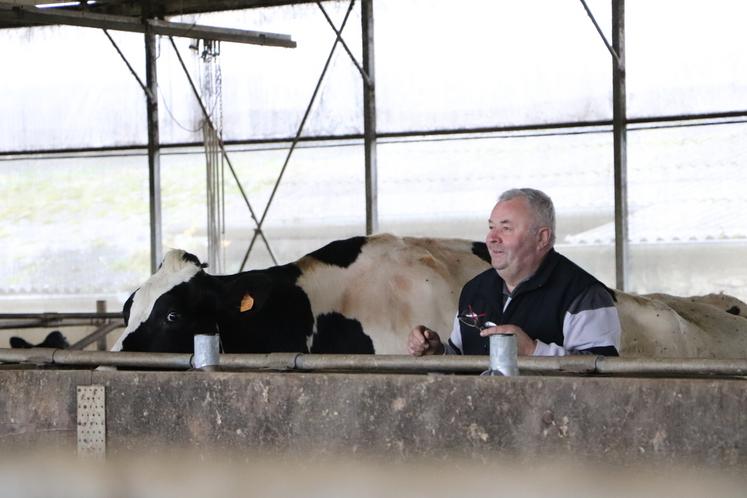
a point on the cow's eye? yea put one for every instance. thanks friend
(172, 317)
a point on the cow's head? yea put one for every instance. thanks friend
(180, 300)
(169, 308)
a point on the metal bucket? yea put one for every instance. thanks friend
(503, 355)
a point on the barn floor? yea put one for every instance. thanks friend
(196, 475)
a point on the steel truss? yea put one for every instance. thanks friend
(366, 72)
(620, 123)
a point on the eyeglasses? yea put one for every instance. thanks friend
(472, 319)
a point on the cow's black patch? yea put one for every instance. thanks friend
(602, 351)
(286, 273)
(280, 321)
(54, 339)
(734, 310)
(480, 249)
(341, 253)
(337, 334)
(191, 258)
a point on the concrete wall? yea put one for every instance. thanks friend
(614, 420)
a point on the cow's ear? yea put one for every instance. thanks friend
(249, 292)
(20, 343)
(251, 300)
(247, 302)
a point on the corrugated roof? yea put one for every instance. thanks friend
(704, 220)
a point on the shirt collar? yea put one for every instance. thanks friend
(539, 278)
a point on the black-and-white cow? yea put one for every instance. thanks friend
(360, 295)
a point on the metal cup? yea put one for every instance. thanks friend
(206, 351)
(503, 355)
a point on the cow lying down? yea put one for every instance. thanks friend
(364, 294)
(54, 339)
(710, 326)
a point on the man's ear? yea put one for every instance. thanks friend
(543, 237)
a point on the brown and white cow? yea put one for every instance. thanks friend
(660, 325)
(363, 295)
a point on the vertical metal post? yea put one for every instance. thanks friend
(101, 342)
(154, 153)
(369, 118)
(620, 139)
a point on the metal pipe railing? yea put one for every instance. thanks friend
(13, 321)
(562, 365)
(41, 324)
(50, 316)
(96, 335)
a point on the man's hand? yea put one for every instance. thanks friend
(524, 344)
(424, 341)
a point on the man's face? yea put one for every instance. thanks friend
(513, 240)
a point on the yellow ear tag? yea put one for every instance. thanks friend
(247, 302)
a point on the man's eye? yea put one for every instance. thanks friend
(173, 316)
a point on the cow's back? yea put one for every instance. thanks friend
(389, 284)
(660, 325)
(393, 284)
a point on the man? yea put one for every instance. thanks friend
(550, 304)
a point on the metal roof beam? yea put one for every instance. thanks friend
(166, 8)
(32, 15)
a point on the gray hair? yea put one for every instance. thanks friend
(539, 202)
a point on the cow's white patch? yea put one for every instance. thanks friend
(310, 338)
(394, 284)
(173, 271)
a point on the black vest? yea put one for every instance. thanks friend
(538, 305)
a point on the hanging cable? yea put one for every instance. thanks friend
(212, 128)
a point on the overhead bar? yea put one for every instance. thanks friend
(167, 8)
(33, 15)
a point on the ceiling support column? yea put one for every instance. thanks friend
(369, 118)
(154, 152)
(620, 139)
